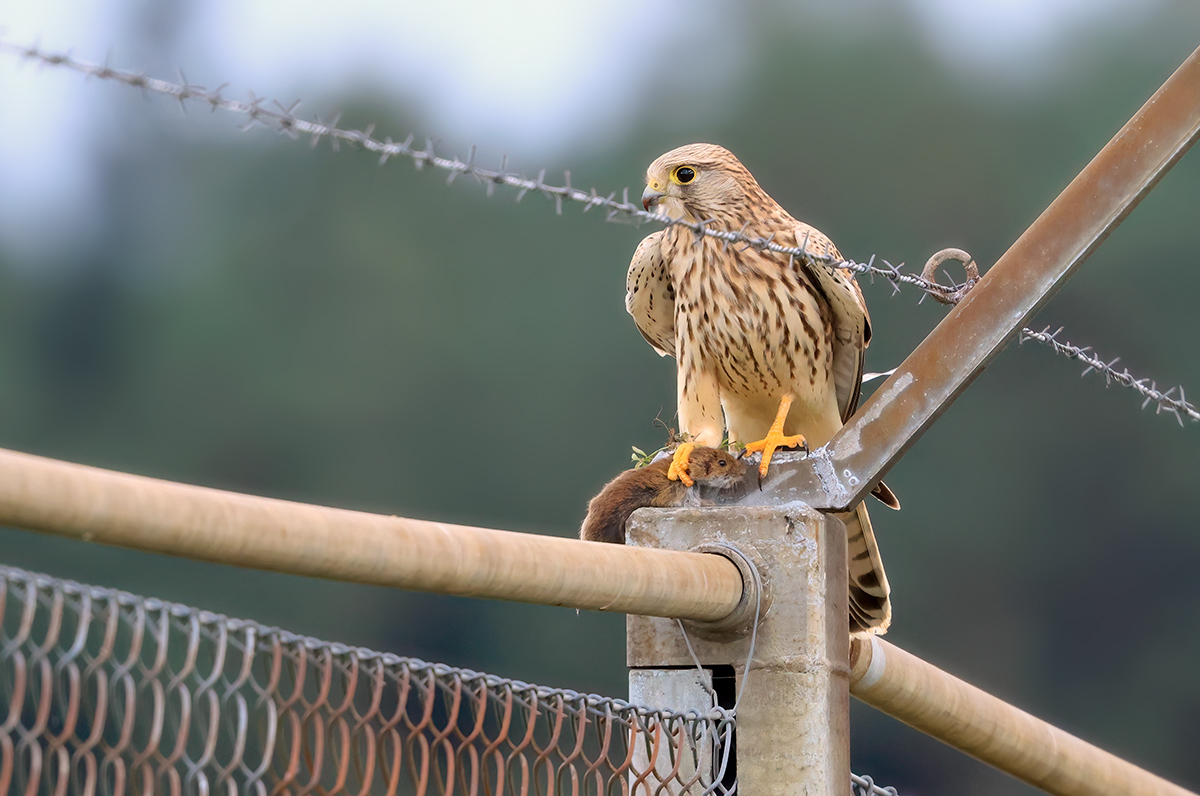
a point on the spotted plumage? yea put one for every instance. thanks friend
(751, 328)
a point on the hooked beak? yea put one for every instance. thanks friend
(651, 197)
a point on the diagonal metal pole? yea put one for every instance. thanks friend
(842, 472)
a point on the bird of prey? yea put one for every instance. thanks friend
(770, 348)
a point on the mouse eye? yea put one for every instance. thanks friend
(722, 462)
(683, 174)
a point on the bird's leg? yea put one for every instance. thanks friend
(678, 471)
(699, 414)
(775, 437)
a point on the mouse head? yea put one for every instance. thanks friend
(716, 468)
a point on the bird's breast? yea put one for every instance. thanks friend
(752, 319)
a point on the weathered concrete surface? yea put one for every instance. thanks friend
(793, 720)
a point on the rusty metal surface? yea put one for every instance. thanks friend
(990, 316)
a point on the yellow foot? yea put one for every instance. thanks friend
(776, 438)
(770, 444)
(678, 471)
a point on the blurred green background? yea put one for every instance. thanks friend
(244, 312)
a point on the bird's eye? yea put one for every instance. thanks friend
(684, 174)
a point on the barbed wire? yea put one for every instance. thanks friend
(284, 120)
(1163, 401)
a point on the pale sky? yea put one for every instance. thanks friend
(527, 76)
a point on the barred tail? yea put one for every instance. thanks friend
(870, 608)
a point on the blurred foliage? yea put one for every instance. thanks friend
(304, 324)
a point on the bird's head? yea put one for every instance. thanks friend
(698, 182)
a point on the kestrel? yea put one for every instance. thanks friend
(770, 349)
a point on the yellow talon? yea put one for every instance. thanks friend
(775, 437)
(678, 471)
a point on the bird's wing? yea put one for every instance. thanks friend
(851, 334)
(851, 323)
(650, 296)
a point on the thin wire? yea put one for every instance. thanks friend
(758, 590)
(749, 657)
(696, 660)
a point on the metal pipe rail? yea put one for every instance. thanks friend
(938, 704)
(153, 515)
(158, 516)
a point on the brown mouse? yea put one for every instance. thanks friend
(608, 512)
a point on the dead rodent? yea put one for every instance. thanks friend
(609, 511)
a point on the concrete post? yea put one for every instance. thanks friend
(793, 721)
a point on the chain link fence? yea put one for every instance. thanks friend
(103, 692)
